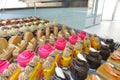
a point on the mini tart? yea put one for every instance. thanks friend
(28, 36)
(32, 44)
(3, 44)
(21, 47)
(115, 59)
(39, 34)
(107, 72)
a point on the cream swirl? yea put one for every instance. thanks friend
(23, 76)
(28, 69)
(33, 63)
(13, 66)
(7, 72)
(3, 78)
(47, 64)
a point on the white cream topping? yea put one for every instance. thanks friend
(81, 57)
(93, 50)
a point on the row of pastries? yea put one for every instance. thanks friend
(48, 51)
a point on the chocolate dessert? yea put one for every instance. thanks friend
(79, 69)
(104, 52)
(111, 44)
(94, 59)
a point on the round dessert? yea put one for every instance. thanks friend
(82, 34)
(25, 57)
(104, 52)
(94, 59)
(45, 50)
(73, 39)
(3, 65)
(111, 44)
(60, 44)
(79, 68)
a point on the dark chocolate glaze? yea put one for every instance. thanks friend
(111, 44)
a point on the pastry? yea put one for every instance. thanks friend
(32, 44)
(28, 36)
(21, 47)
(82, 35)
(72, 32)
(73, 39)
(107, 72)
(14, 40)
(111, 44)
(64, 28)
(48, 68)
(78, 48)
(3, 44)
(3, 65)
(94, 59)
(79, 67)
(66, 34)
(45, 50)
(7, 53)
(104, 52)
(60, 44)
(115, 59)
(95, 42)
(51, 39)
(66, 58)
(42, 41)
(93, 77)
(55, 30)
(47, 31)
(12, 72)
(39, 34)
(25, 57)
(87, 44)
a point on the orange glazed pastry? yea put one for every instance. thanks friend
(115, 59)
(3, 44)
(87, 44)
(95, 41)
(14, 40)
(28, 36)
(107, 72)
(93, 77)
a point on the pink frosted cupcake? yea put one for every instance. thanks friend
(3, 65)
(60, 44)
(73, 39)
(45, 50)
(25, 57)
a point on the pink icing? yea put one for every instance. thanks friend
(82, 34)
(45, 50)
(60, 44)
(25, 57)
(73, 39)
(3, 65)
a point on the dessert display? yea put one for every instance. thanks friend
(78, 48)
(73, 39)
(115, 59)
(79, 67)
(45, 50)
(111, 44)
(60, 44)
(87, 44)
(93, 77)
(3, 65)
(50, 51)
(11, 73)
(95, 42)
(21, 47)
(94, 59)
(107, 72)
(25, 57)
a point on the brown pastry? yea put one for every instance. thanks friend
(14, 40)
(55, 30)
(28, 36)
(32, 44)
(39, 34)
(3, 44)
(63, 28)
(21, 47)
(47, 32)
